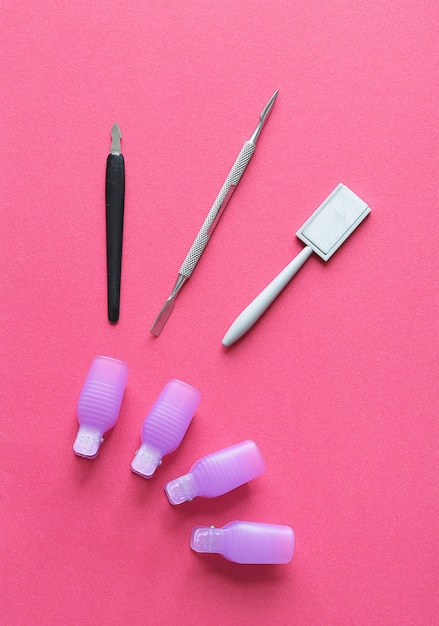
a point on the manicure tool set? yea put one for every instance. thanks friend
(323, 233)
(168, 420)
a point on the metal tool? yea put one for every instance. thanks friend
(212, 218)
(324, 232)
(114, 205)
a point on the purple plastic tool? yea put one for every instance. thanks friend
(99, 403)
(246, 542)
(218, 473)
(165, 425)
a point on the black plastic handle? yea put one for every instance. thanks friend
(114, 204)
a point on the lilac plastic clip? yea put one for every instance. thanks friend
(165, 425)
(99, 403)
(246, 542)
(218, 473)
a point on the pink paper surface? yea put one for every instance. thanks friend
(337, 383)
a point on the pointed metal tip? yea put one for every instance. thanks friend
(267, 108)
(263, 117)
(116, 136)
(115, 131)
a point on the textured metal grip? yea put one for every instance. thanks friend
(218, 206)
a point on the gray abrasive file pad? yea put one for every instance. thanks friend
(332, 223)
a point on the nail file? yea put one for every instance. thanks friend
(323, 233)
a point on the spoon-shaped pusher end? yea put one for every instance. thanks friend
(99, 403)
(165, 425)
(168, 307)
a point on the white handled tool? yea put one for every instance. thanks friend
(324, 232)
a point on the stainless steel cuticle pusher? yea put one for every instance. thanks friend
(212, 218)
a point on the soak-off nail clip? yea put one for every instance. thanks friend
(246, 542)
(218, 473)
(99, 403)
(165, 425)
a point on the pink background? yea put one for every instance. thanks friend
(337, 383)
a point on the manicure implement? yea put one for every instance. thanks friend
(99, 403)
(246, 542)
(324, 232)
(165, 425)
(114, 209)
(212, 218)
(217, 473)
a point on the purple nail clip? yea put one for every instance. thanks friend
(246, 542)
(99, 403)
(165, 425)
(218, 473)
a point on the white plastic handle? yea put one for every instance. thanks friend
(260, 304)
